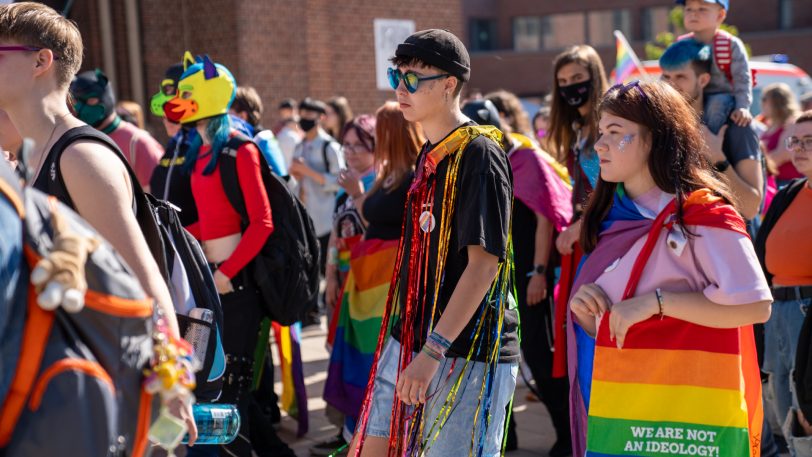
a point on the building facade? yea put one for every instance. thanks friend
(517, 40)
(284, 48)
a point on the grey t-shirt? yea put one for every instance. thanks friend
(742, 86)
(320, 199)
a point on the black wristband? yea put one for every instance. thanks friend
(537, 270)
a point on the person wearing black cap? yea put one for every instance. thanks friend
(453, 352)
(316, 163)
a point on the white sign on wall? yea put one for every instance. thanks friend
(389, 33)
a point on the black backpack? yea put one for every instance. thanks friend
(167, 241)
(287, 268)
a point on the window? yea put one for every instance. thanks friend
(785, 14)
(602, 24)
(655, 21)
(527, 33)
(483, 34)
(562, 30)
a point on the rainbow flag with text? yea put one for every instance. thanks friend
(692, 394)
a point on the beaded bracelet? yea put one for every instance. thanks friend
(172, 367)
(432, 352)
(440, 341)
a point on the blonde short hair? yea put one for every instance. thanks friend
(35, 24)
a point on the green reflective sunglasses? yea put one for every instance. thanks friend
(410, 79)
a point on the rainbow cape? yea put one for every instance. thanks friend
(358, 325)
(695, 392)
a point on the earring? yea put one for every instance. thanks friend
(445, 97)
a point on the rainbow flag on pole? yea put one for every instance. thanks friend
(627, 62)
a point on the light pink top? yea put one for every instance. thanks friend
(141, 150)
(720, 263)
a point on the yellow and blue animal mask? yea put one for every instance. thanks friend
(204, 90)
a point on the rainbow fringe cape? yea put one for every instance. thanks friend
(411, 433)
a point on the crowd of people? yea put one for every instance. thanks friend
(640, 247)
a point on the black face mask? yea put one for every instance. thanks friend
(576, 95)
(307, 124)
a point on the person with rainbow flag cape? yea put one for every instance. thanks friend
(443, 382)
(661, 349)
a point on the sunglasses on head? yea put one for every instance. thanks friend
(623, 88)
(25, 49)
(410, 79)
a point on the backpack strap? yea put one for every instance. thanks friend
(228, 174)
(141, 206)
(10, 188)
(324, 153)
(723, 53)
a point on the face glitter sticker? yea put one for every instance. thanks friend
(627, 139)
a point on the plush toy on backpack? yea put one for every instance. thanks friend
(59, 278)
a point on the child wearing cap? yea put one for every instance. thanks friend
(729, 93)
(441, 383)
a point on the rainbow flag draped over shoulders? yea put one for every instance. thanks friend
(358, 325)
(676, 388)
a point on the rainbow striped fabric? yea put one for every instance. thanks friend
(359, 322)
(676, 388)
(626, 63)
(682, 396)
(294, 393)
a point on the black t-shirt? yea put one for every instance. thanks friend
(524, 245)
(481, 218)
(740, 143)
(170, 182)
(383, 209)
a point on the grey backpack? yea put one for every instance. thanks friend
(78, 384)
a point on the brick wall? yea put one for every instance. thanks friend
(321, 48)
(530, 73)
(284, 48)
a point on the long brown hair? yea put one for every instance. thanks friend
(398, 145)
(676, 162)
(783, 103)
(509, 104)
(341, 106)
(561, 137)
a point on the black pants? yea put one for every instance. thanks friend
(536, 344)
(242, 315)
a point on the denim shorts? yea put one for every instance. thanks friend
(455, 436)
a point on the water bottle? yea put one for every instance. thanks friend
(217, 423)
(198, 335)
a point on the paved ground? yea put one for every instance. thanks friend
(534, 426)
